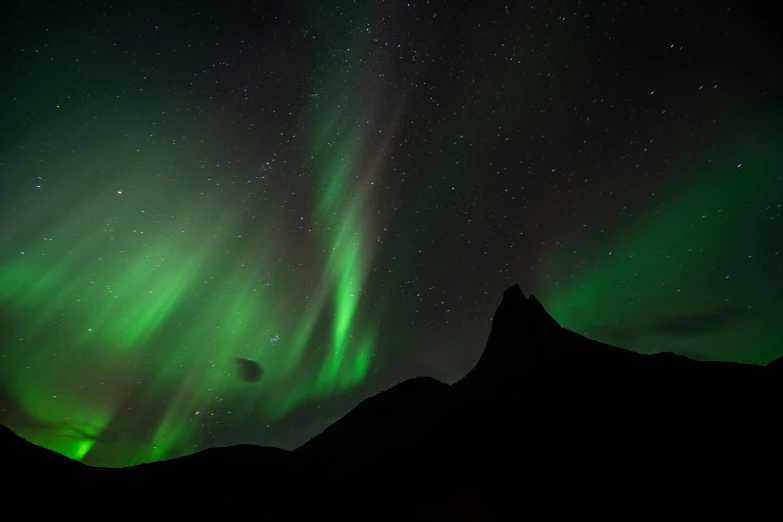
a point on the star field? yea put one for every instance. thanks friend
(226, 224)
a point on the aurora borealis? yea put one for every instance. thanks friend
(231, 224)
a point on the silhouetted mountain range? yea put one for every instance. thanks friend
(549, 424)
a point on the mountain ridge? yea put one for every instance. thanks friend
(547, 424)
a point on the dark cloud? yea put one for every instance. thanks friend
(248, 371)
(697, 324)
(680, 327)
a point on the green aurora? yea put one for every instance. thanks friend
(179, 295)
(677, 259)
(115, 307)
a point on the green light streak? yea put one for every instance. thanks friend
(129, 307)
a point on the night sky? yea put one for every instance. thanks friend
(230, 223)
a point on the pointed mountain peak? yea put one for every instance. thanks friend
(514, 294)
(518, 315)
(518, 321)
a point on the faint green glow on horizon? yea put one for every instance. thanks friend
(670, 263)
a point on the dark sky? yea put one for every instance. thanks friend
(230, 223)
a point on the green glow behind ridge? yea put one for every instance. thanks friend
(671, 261)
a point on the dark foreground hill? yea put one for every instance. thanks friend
(548, 425)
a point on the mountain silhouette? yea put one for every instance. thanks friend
(548, 425)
